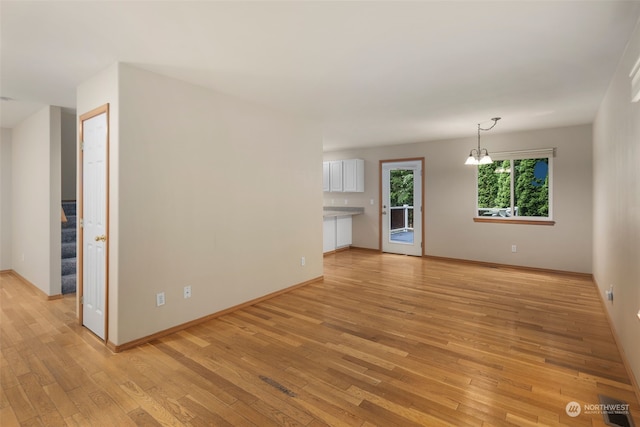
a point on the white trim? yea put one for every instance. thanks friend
(538, 153)
(635, 81)
(550, 188)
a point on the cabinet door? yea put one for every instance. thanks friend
(326, 175)
(336, 175)
(343, 231)
(353, 175)
(328, 234)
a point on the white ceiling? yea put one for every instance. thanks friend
(373, 73)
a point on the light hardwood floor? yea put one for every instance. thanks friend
(384, 340)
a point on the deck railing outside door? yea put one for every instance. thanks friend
(401, 218)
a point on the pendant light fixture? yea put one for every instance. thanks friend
(480, 156)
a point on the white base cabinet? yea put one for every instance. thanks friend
(337, 232)
(343, 231)
(329, 234)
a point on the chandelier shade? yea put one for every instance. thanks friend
(480, 156)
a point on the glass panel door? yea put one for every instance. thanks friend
(401, 207)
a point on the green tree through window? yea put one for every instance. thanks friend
(526, 179)
(532, 187)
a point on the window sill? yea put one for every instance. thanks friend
(514, 221)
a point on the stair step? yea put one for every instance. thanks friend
(68, 235)
(69, 208)
(69, 250)
(69, 284)
(71, 222)
(68, 266)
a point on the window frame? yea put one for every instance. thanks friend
(543, 153)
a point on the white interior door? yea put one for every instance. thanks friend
(402, 207)
(94, 211)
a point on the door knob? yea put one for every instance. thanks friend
(102, 238)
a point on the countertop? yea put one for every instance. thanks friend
(333, 211)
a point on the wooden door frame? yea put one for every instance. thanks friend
(422, 213)
(80, 215)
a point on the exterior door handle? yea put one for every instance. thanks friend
(102, 238)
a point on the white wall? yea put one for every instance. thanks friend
(450, 201)
(68, 156)
(35, 200)
(5, 199)
(616, 204)
(215, 193)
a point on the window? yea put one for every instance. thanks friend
(516, 187)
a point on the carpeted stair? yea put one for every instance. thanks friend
(69, 248)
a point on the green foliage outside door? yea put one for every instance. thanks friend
(401, 191)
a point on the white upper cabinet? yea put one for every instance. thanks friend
(343, 176)
(326, 176)
(353, 175)
(335, 175)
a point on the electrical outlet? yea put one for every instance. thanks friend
(371, 202)
(159, 299)
(187, 292)
(514, 248)
(346, 201)
(303, 261)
